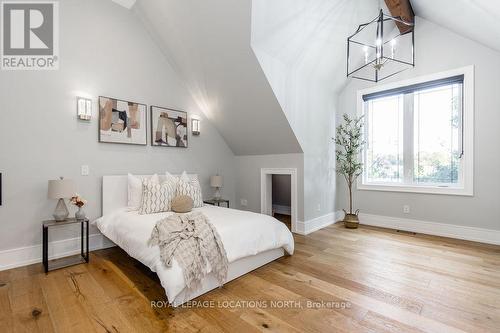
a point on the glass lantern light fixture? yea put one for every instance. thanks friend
(381, 48)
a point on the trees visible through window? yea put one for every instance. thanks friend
(414, 135)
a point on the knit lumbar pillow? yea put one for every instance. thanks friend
(156, 197)
(191, 188)
(182, 204)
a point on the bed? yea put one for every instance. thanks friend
(250, 239)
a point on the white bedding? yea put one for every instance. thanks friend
(243, 234)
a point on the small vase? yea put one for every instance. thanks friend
(80, 214)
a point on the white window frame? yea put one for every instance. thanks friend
(467, 160)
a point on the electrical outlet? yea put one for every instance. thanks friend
(244, 202)
(318, 207)
(406, 209)
(85, 170)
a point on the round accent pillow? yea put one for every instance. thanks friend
(182, 204)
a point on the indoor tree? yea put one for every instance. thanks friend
(349, 141)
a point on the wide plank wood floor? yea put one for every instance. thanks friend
(338, 280)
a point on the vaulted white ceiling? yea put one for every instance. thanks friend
(125, 3)
(475, 19)
(208, 43)
(309, 35)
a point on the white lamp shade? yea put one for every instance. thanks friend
(61, 188)
(216, 181)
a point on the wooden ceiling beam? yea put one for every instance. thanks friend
(403, 9)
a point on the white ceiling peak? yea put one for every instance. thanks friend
(125, 3)
(474, 19)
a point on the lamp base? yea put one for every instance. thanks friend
(217, 195)
(61, 212)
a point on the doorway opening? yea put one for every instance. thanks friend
(279, 195)
(282, 198)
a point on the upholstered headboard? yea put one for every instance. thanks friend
(115, 191)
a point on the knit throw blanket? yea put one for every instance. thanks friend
(194, 243)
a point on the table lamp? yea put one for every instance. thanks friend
(216, 181)
(61, 189)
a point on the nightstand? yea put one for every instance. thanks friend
(216, 202)
(67, 261)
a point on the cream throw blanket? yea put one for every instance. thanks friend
(194, 243)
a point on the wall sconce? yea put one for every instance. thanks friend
(195, 126)
(84, 108)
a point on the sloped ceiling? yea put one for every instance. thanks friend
(309, 35)
(474, 19)
(125, 3)
(208, 43)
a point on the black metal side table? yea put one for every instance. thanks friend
(67, 261)
(216, 202)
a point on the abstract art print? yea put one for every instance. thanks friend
(168, 127)
(122, 121)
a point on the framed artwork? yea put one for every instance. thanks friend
(168, 127)
(122, 121)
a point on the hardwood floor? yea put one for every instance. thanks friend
(369, 280)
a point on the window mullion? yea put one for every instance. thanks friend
(461, 175)
(408, 138)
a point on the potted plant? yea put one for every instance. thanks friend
(349, 141)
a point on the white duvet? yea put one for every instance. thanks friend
(242, 233)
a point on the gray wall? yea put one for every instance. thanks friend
(282, 190)
(438, 49)
(248, 178)
(295, 50)
(104, 51)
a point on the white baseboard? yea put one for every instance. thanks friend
(284, 210)
(475, 234)
(315, 224)
(339, 215)
(33, 254)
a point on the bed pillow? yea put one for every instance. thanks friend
(190, 176)
(182, 204)
(135, 190)
(171, 178)
(191, 188)
(156, 197)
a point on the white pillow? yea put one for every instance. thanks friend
(171, 178)
(156, 197)
(135, 190)
(190, 176)
(190, 186)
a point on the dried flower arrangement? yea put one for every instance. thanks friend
(77, 201)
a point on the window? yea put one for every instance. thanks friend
(419, 135)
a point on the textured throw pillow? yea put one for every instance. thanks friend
(182, 204)
(135, 190)
(171, 178)
(191, 188)
(156, 197)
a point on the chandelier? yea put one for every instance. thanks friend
(381, 48)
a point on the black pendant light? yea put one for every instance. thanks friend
(378, 49)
